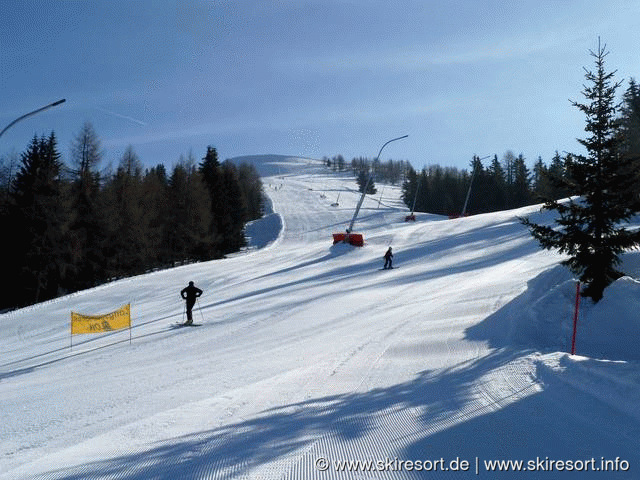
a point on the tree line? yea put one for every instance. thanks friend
(503, 184)
(70, 227)
(391, 171)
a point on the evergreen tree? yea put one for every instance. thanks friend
(251, 186)
(630, 131)
(590, 231)
(364, 181)
(235, 210)
(210, 172)
(498, 181)
(38, 218)
(630, 120)
(154, 199)
(476, 200)
(521, 183)
(410, 188)
(541, 186)
(558, 186)
(189, 231)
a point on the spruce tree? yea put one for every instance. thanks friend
(521, 183)
(410, 188)
(38, 218)
(499, 184)
(557, 179)
(364, 182)
(210, 173)
(631, 120)
(589, 226)
(189, 234)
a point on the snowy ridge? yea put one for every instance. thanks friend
(308, 351)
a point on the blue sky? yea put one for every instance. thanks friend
(310, 78)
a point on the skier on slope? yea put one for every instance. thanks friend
(190, 293)
(388, 259)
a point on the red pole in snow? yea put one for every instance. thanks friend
(575, 319)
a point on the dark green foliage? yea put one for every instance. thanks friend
(37, 221)
(189, 234)
(444, 190)
(365, 181)
(234, 214)
(251, 186)
(630, 120)
(77, 230)
(590, 230)
(521, 183)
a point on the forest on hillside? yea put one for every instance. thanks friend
(73, 227)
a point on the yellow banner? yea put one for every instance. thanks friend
(101, 323)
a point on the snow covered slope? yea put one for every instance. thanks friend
(310, 355)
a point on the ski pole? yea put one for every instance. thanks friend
(200, 309)
(183, 312)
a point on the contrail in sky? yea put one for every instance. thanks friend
(139, 122)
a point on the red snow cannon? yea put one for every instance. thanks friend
(355, 239)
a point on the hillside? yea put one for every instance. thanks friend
(309, 352)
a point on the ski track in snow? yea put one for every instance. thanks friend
(308, 351)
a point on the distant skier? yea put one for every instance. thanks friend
(388, 259)
(190, 293)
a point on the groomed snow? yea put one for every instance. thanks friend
(309, 352)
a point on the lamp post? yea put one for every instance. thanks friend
(46, 107)
(473, 174)
(355, 215)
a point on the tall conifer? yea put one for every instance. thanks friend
(590, 232)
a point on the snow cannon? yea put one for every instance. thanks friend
(355, 239)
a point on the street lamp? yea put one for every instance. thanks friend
(473, 174)
(356, 239)
(46, 107)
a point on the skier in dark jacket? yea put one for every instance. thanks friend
(388, 259)
(190, 293)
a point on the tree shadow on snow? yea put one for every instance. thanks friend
(447, 412)
(297, 434)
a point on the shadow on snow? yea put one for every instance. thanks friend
(538, 425)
